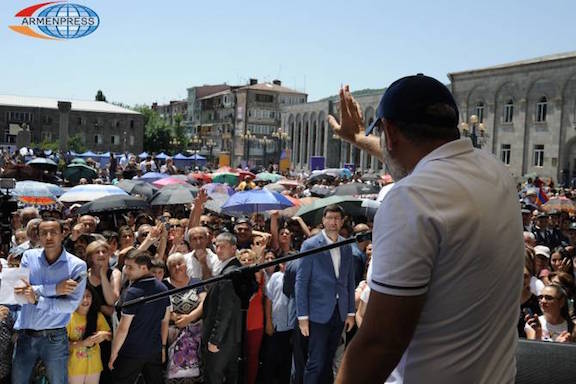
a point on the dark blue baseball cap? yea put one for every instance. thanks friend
(408, 100)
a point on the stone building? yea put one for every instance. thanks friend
(528, 109)
(311, 135)
(240, 121)
(101, 126)
(171, 112)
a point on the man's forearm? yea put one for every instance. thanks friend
(367, 362)
(118, 340)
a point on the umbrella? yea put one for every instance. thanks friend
(370, 177)
(289, 183)
(35, 193)
(228, 178)
(186, 179)
(218, 189)
(78, 161)
(43, 163)
(151, 177)
(167, 181)
(115, 203)
(321, 190)
(89, 192)
(137, 187)
(244, 174)
(256, 200)
(28, 185)
(267, 176)
(356, 189)
(321, 176)
(312, 213)
(174, 196)
(290, 212)
(226, 169)
(559, 204)
(201, 176)
(76, 171)
(275, 187)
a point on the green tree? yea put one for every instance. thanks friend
(180, 133)
(75, 144)
(100, 96)
(157, 134)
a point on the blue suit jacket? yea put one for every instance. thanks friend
(317, 286)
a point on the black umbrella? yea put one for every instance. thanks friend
(174, 196)
(114, 203)
(74, 172)
(321, 190)
(356, 189)
(321, 176)
(138, 187)
(43, 163)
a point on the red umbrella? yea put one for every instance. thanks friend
(201, 176)
(226, 169)
(244, 174)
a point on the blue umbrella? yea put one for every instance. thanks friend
(218, 189)
(29, 188)
(256, 200)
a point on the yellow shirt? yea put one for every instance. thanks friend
(83, 360)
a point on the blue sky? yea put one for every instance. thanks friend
(148, 51)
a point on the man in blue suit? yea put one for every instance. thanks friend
(325, 296)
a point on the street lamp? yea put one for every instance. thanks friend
(195, 142)
(210, 144)
(282, 138)
(247, 138)
(265, 141)
(474, 130)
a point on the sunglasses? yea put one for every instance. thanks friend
(547, 297)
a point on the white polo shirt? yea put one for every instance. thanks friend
(452, 230)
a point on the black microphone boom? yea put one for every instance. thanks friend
(240, 274)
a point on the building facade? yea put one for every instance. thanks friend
(240, 122)
(528, 110)
(101, 126)
(173, 112)
(311, 135)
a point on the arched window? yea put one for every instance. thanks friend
(480, 111)
(541, 109)
(509, 111)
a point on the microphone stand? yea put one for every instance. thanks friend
(242, 279)
(248, 270)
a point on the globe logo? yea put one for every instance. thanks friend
(57, 21)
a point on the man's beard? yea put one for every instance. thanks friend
(397, 171)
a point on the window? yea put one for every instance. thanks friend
(47, 120)
(98, 139)
(480, 112)
(115, 139)
(264, 98)
(131, 140)
(46, 136)
(79, 120)
(19, 117)
(541, 109)
(131, 123)
(505, 150)
(509, 111)
(538, 155)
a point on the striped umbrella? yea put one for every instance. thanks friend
(89, 192)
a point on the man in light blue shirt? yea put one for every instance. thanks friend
(56, 286)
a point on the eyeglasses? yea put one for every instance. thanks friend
(547, 298)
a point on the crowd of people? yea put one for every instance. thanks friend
(84, 267)
(292, 322)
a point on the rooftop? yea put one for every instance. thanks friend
(272, 87)
(77, 105)
(536, 60)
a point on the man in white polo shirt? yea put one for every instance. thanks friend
(448, 251)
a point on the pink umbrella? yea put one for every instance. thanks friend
(168, 181)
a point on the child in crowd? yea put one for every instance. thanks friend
(86, 330)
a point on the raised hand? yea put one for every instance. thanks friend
(351, 126)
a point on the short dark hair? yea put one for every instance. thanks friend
(51, 220)
(140, 258)
(158, 263)
(333, 208)
(111, 235)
